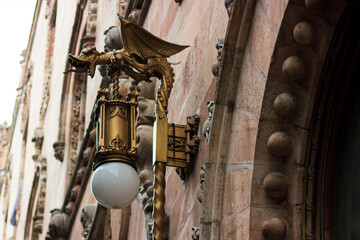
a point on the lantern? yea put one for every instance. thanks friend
(115, 182)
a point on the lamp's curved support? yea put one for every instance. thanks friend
(154, 66)
(157, 67)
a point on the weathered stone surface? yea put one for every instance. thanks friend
(146, 108)
(294, 68)
(59, 150)
(86, 218)
(286, 104)
(144, 142)
(58, 225)
(276, 186)
(237, 226)
(274, 229)
(304, 33)
(279, 144)
(236, 192)
(113, 39)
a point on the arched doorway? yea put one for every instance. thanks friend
(332, 202)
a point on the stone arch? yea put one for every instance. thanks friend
(324, 165)
(259, 142)
(282, 205)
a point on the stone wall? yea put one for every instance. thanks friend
(251, 72)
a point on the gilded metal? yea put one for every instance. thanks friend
(183, 144)
(115, 126)
(143, 56)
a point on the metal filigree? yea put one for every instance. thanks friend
(143, 56)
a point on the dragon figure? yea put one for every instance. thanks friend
(143, 56)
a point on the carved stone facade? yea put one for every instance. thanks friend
(268, 107)
(144, 136)
(38, 216)
(26, 92)
(207, 124)
(87, 218)
(92, 18)
(51, 8)
(58, 225)
(77, 117)
(59, 150)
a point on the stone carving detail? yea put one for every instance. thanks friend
(49, 8)
(86, 218)
(279, 144)
(38, 140)
(219, 47)
(59, 148)
(26, 91)
(38, 219)
(144, 133)
(122, 5)
(145, 111)
(202, 181)
(46, 95)
(294, 68)
(276, 186)
(69, 208)
(304, 33)
(80, 175)
(75, 192)
(208, 122)
(77, 118)
(274, 228)
(195, 233)
(113, 39)
(228, 5)
(51, 13)
(135, 15)
(286, 104)
(87, 155)
(92, 18)
(58, 225)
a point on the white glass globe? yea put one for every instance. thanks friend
(115, 184)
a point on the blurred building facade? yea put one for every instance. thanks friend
(274, 84)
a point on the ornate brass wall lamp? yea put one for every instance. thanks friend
(114, 161)
(143, 56)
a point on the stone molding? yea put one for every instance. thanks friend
(277, 166)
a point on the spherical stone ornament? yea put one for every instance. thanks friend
(286, 104)
(115, 184)
(304, 33)
(215, 69)
(316, 5)
(279, 144)
(276, 186)
(294, 68)
(274, 229)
